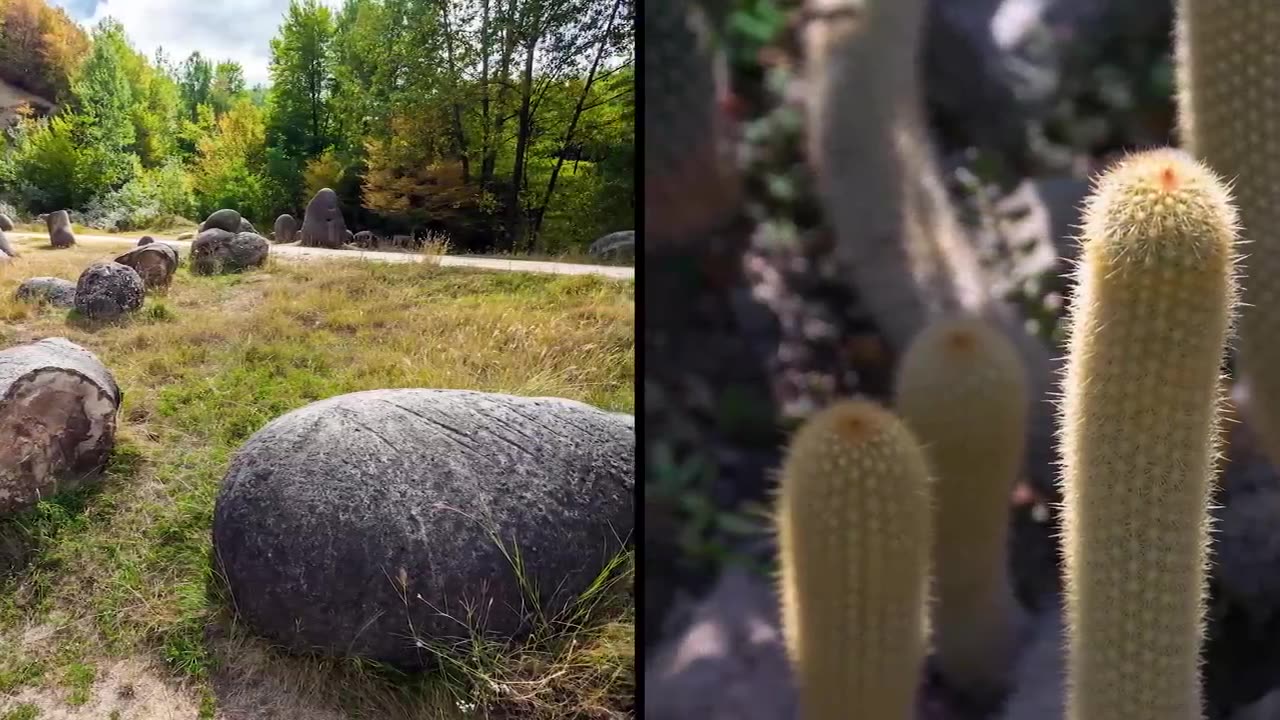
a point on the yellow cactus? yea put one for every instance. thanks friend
(1154, 302)
(963, 390)
(854, 533)
(1227, 100)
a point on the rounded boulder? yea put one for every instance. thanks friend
(107, 290)
(286, 228)
(224, 219)
(367, 524)
(60, 233)
(323, 225)
(217, 251)
(54, 291)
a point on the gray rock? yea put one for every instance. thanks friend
(54, 291)
(285, 229)
(6, 249)
(217, 251)
(145, 240)
(185, 236)
(6, 225)
(225, 219)
(365, 239)
(730, 663)
(350, 238)
(107, 290)
(354, 524)
(246, 226)
(60, 234)
(58, 407)
(323, 226)
(615, 243)
(155, 262)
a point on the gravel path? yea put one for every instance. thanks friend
(295, 251)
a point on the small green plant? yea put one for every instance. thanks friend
(25, 711)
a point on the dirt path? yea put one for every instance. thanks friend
(304, 253)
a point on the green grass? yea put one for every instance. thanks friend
(122, 570)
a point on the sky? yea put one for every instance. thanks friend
(239, 30)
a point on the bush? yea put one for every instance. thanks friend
(151, 200)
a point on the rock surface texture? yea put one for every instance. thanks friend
(58, 407)
(55, 291)
(59, 224)
(155, 262)
(217, 251)
(323, 226)
(107, 290)
(356, 524)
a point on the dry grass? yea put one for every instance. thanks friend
(116, 582)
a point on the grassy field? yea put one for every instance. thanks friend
(109, 607)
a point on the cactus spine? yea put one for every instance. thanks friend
(854, 533)
(963, 390)
(1228, 100)
(1154, 301)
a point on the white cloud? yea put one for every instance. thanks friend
(239, 30)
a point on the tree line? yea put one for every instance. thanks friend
(505, 124)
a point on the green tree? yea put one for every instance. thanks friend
(195, 79)
(302, 76)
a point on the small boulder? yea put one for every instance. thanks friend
(6, 225)
(145, 240)
(359, 524)
(615, 244)
(59, 224)
(365, 239)
(217, 251)
(155, 262)
(107, 290)
(323, 226)
(185, 236)
(285, 229)
(6, 249)
(246, 226)
(225, 219)
(54, 291)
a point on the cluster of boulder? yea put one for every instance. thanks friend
(227, 242)
(368, 525)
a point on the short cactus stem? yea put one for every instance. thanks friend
(963, 390)
(1154, 304)
(854, 532)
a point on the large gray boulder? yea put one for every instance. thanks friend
(54, 291)
(107, 290)
(60, 234)
(58, 407)
(357, 524)
(217, 251)
(155, 262)
(615, 243)
(285, 229)
(224, 219)
(323, 226)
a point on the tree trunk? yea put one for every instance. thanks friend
(58, 406)
(540, 213)
(486, 141)
(490, 161)
(515, 213)
(459, 136)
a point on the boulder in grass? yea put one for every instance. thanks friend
(6, 225)
(6, 249)
(60, 234)
(615, 244)
(155, 262)
(185, 236)
(58, 406)
(358, 525)
(286, 228)
(145, 240)
(246, 226)
(54, 291)
(225, 219)
(323, 225)
(217, 251)
(108, 290)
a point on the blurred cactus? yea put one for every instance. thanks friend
(854, 532)
(963, 390)
(1228, 97)
(1155, 296)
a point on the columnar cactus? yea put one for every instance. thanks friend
(1154, 301)
(854, 533)
(962, 389)
(1228, 100)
